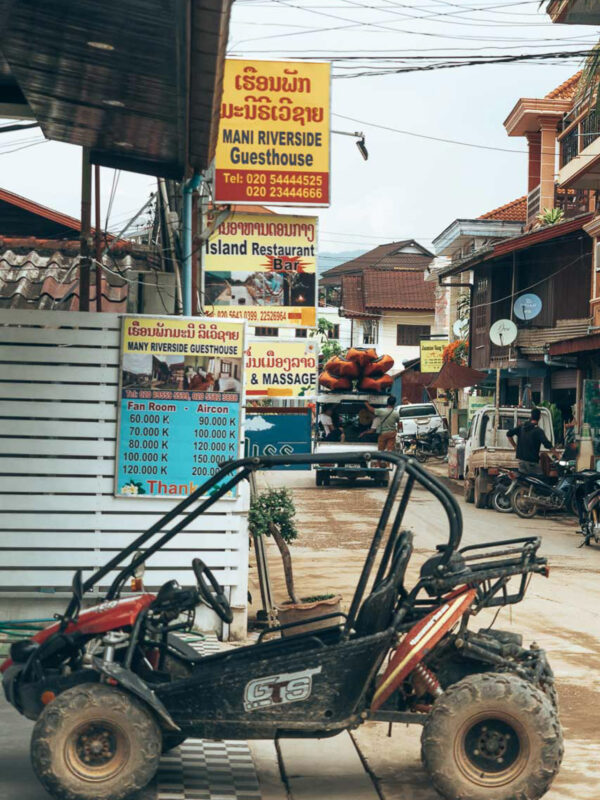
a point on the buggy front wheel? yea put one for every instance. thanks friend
(94, 741)
(492, 737)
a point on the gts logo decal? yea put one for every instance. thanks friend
(275, 690)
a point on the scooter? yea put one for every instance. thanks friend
(113, 686)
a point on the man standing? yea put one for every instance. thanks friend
(530, 438)
(387, 425)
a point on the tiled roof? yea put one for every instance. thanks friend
(404, 290)
(381, 289)
(384, 256)
(515, 211)
(45, 276)
(567, 90)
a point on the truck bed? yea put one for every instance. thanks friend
(493, 457)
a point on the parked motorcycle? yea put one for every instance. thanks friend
(534, 493)
(589, 514)
(433, 444)
(501, 494)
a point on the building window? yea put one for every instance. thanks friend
(370, 329)
(266, 331)
(301, 333)
(411, 335)
(333, 332)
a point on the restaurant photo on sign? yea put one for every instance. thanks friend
(263, 268)
(181, 387)
(273, 143)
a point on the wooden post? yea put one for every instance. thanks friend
(98, 237)
(497, 414)
(86, 225)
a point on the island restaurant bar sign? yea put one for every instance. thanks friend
(273, 144)
(263, 268)
(180, 397)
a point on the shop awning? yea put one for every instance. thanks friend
(136, 81)
(455, 376)
(582, 344)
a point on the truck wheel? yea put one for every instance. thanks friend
(480, 497)
(468, 490)
(94, 742)
(319, 478)
(326, 479)
(522, 503)
(492, 737)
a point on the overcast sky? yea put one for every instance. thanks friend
(410, 187)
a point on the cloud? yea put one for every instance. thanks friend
(257, 423)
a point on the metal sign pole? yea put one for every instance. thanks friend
(497, 414)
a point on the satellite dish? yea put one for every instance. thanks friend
(527, 306)
(460, 328)
(503, 332)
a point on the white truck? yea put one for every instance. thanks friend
(485, 452)
(346, 407)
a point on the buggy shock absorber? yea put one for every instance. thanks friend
(425, 681)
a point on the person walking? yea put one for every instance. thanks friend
(530, 437)
(387, 425)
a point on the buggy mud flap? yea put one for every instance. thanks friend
(420, 640)
(129, 681)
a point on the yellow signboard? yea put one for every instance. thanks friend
(431, 354)
(276, 368)
(273, 144)
(263, 268)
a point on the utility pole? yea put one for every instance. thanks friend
(98, 238)
(86, 230)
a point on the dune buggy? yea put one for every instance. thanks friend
(113, 686)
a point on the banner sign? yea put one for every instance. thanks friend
(431, 354)
(180, 395)
(479, 401)
(279, 368)
(273, 144)
(263, 268)
(278, 431)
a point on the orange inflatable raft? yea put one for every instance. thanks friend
(378, 367)
(381, 384)
(334, 383)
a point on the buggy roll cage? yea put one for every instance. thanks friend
(216, 487)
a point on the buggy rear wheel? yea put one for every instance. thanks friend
(94, 742)
(492, 737)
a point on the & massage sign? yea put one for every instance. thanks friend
(180, 394)
(263, 268)
(273, 144)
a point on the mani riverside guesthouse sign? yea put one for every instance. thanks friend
(273, 144)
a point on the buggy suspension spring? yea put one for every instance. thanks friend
(427, 677)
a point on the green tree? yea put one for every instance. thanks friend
(327, 347)
(272, 513)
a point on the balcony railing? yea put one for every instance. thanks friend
(586, 131)
(573, 202)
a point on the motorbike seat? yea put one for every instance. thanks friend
(376, 611)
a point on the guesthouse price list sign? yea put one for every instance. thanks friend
(180, 396)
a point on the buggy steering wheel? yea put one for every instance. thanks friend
(210, 592)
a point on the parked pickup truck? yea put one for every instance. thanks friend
(483, 455)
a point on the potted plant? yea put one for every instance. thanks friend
(272, 513)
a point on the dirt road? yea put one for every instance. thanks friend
(562, 614)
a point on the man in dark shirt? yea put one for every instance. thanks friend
(530, 438)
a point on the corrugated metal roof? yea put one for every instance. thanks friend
(47, 277)
(40, 210)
